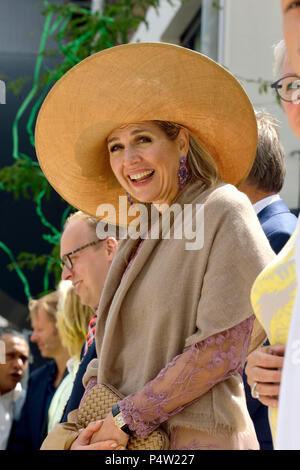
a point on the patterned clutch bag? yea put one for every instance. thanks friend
(96, 405)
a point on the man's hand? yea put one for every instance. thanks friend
(84, 440)
(264, 367)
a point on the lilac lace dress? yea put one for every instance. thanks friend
(187, 377)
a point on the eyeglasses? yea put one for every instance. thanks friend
(66, 260)
(288, 88)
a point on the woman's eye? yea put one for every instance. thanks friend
(144, 139)
(114, 148)
(293, 5)
(293, 85)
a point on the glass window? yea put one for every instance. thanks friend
(191, 37)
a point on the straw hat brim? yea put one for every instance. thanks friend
(133, 83)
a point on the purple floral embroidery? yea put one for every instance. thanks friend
(188, 375)
(194, 444)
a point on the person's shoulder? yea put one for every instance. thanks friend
(42, 371)
(227, 197)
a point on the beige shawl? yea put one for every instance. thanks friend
(172, 298)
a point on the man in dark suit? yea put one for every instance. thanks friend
(87, 269)
(262, 186)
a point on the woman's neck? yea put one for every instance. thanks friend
(163, 206)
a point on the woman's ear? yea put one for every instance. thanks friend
(183, 141)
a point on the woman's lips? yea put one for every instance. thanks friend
(142, 177)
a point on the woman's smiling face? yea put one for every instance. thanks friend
(291, 31)
(145, 161)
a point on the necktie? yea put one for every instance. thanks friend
(91, 332)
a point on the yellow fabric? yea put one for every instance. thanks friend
(272, 297)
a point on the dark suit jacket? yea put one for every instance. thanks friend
(78, 389)
(278, 223)
(30, 430)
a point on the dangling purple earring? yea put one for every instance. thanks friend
(129, 199)
(183, 173)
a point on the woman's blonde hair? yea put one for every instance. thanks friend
(72, 319)
(48, 303)
(200, 163)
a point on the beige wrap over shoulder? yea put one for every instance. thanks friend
(172, 297)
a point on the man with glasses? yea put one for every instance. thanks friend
(287, 87)
(86, 261)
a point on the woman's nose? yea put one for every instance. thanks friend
(131, 155)
(33, 337)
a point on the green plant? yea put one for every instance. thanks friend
(78, 33)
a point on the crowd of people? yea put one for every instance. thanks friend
(195, 337)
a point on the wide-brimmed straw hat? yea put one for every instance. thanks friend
(134, 83)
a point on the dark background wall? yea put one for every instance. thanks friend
(21, 26)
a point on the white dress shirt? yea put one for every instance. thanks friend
(266, 201)
(7, 402)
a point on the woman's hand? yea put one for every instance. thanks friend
(264, 368)
(84, 440)
(110, 431)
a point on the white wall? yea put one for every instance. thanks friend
(168, 22)
(251, 28)
(248, 30)
(21, 25)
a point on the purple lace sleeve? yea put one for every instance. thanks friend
(186, 378)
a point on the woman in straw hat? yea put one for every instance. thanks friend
(175, 131)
